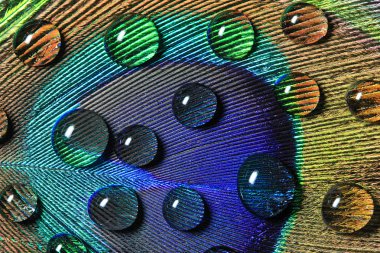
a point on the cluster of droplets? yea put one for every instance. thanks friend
(266, 187)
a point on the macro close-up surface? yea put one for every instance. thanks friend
(176, 126)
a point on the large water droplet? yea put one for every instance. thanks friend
(184, 209)
(19, 203)
(4, 125)
(80, 137)
(132, 40)
(347, 208)
(137, 145)
(304, 23)
(231, 35)
(298, 93)
(114, 207)
(65, 243)
(37, 43)
(194, 105)
(266, 187)
(220, 249)
(363, 99)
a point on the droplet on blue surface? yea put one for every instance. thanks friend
(132, 40)
(266, 187)
(231, 35)
(220, 249)
(37, 43)
(184, 209)
(80, 137)
(66, 243)
(114, 207)
(194, 105)
(19, 203)
(347, 208)
(137, 145)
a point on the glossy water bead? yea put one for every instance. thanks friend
(304, 23)
(363, 99)
(132, 40)
(114, 207)
(37, 43)
(220, 249)
(194, 105)
(184, 209)
(19, 203)
(298, 93)
(4, 125)
(231, 35)
(266, 187)
(137, 145)
(347, 208)
(66, 243)
(80, 137)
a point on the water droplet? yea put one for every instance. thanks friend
(220, 249)
(363, 99)
(184, 209)
(80, 137)
(19, 203)
(304, 23)
(194, 105)
(266, 187)
(37, 43)
(132, 40)
(347, 208)
(298, 93)
(137, 145)
(65, 243)
(4, 125)
(114, 207)
(231, 35)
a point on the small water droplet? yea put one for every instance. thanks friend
(220, 249)
(347, 208)
(231, 35)
(304, 23)
(19, 203)
(184, 209)
(65, 243)
(4, 125)
(266, 187)
(37, 43)
(363, 99)
(137, 145)
(194, 105)
(80, 137)
(114, 207)
(298, 93)
(132, 40)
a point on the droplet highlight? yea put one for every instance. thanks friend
(184, 209)
(231, 35)
(298, 93)
(19, 203)
(304, 23)
(195, 105)
(80, 137)
(363, 100)
(347, 208)
(220, 249)
(137, 145)
(4, 126)
(132, 40)
(66, 243)
(114, 207)
(37, 43)
(266, 187)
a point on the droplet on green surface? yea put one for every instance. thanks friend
(132, 40)
(65, 243)
(231, 35)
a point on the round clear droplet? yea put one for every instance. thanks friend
(114, 207)
(65, 243)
